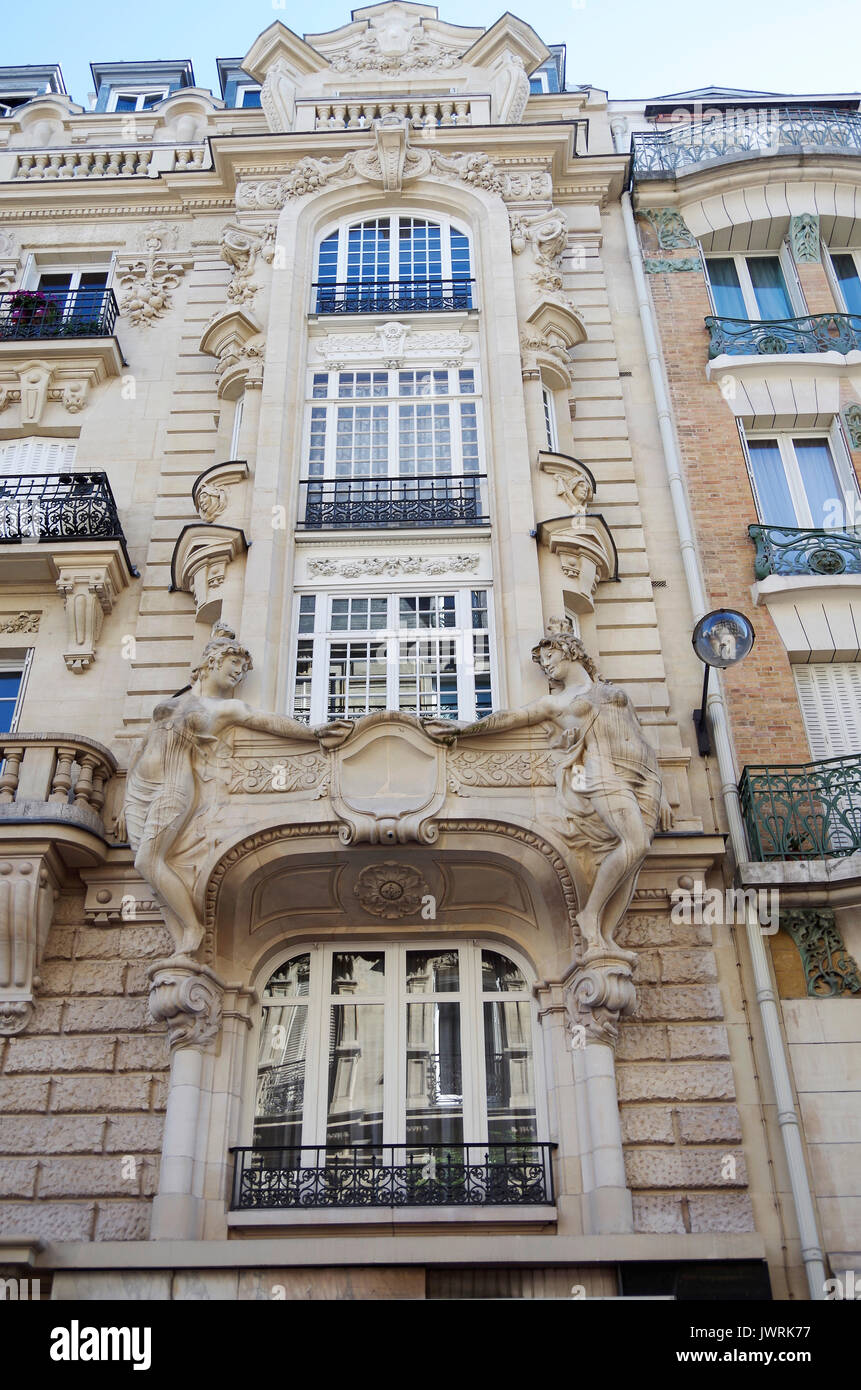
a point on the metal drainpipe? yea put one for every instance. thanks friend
(787, 1115)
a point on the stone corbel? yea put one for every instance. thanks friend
(587, 555)
(58, 377)
(199, 565)
(212, 491)
(392, 154)
(29, 884)
(597, 995)
(115, 895)
(188, 998)
(236, 340)
(89, 584)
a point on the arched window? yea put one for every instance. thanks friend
(394, 264)
(396, 1074)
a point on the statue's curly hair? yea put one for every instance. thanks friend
(222, 643)
(569, 644)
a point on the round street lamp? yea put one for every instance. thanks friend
(721, 638)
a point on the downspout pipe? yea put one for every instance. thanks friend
(766, 998)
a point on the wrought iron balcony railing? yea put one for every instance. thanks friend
(393, 1175)
(57, 314)
(807, 811)
(744, 132)
(58, 507)
(770, 337)
(392, 296)
(372, 502)
(793, 550)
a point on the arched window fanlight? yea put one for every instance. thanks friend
(394, 264)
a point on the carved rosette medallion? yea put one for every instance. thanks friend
(188, 999)
(391, 890)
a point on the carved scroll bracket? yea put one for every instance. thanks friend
(29, 884)
(597, 995)
(199, 565)
(90, 583)
(188, 998)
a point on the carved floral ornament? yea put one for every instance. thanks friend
(149, 279)
(391, 890)
(310, 175)
(393, 343)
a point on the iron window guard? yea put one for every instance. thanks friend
(373, 502)
(57, 314)
(796, 550)
(738, 133)
(392, 296)
(771, 337)
(804, 811)
(515, 1173)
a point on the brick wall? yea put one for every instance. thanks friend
(83, 1090)
(680, 1128)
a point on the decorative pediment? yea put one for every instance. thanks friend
(199, 565)
(394, 38)
(278, 43)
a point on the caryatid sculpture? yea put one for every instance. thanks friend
(167, 773)
(608, 781)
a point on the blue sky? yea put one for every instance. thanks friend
(632, 47)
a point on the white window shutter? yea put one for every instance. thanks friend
(830, 700)
(36, 454)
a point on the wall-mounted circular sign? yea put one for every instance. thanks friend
(723, 637)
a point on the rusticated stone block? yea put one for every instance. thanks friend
(87, 1177)
(43, 1134)
(107, 1015)
(721, 1211)
(672, 1168)
(60, 1054)
(59, 944)
(122, 943)
(709, 1124)
(17, 1178)
(100, 1094)
(148, 1053)
(50, 1220)
(137, 979)
(134, 1134)
(646, 968)
(123, 1221)
(659, 1215)
(56, 977)
(676, 1081)
(687, 967)
(98, 977)
(22, 1094)
(45, 1017)
(637, 1044)
(159, 1093)
(678, 1002)
(646, 1124)
(640, 930)
(709, 1041)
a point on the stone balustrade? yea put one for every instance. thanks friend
(54, 777)
(106, 164)
(361, 113)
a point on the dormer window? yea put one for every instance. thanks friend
(248, 95)
(136, 101)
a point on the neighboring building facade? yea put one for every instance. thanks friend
(369, 363)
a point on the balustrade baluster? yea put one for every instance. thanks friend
(11, 770)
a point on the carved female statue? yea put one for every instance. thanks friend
(168, 769)
(608, 782)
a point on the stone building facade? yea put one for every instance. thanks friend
(377, 388)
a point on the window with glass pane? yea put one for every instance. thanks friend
(848, 280)
(10, 693)
(425, 654)
(795, 480)
(409, 251)
(749, 287)
(394, 1031)
(726, 289)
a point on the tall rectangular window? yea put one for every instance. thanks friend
(796, 481)
(846, 273)
(428, 654)
(749, 287)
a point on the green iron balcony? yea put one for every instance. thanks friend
(771, 337)
(793, 550)
(805, 811)
(744, 134)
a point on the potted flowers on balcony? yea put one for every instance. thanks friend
(32, 313)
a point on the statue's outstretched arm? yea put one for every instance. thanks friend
(535, 713)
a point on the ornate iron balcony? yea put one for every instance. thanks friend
(769, 337)
(791, 550)
(392, 296)
(57, 314)
(372, 502)
(807, 811)
(58, 507)
(393, 1175)
(741, 133)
